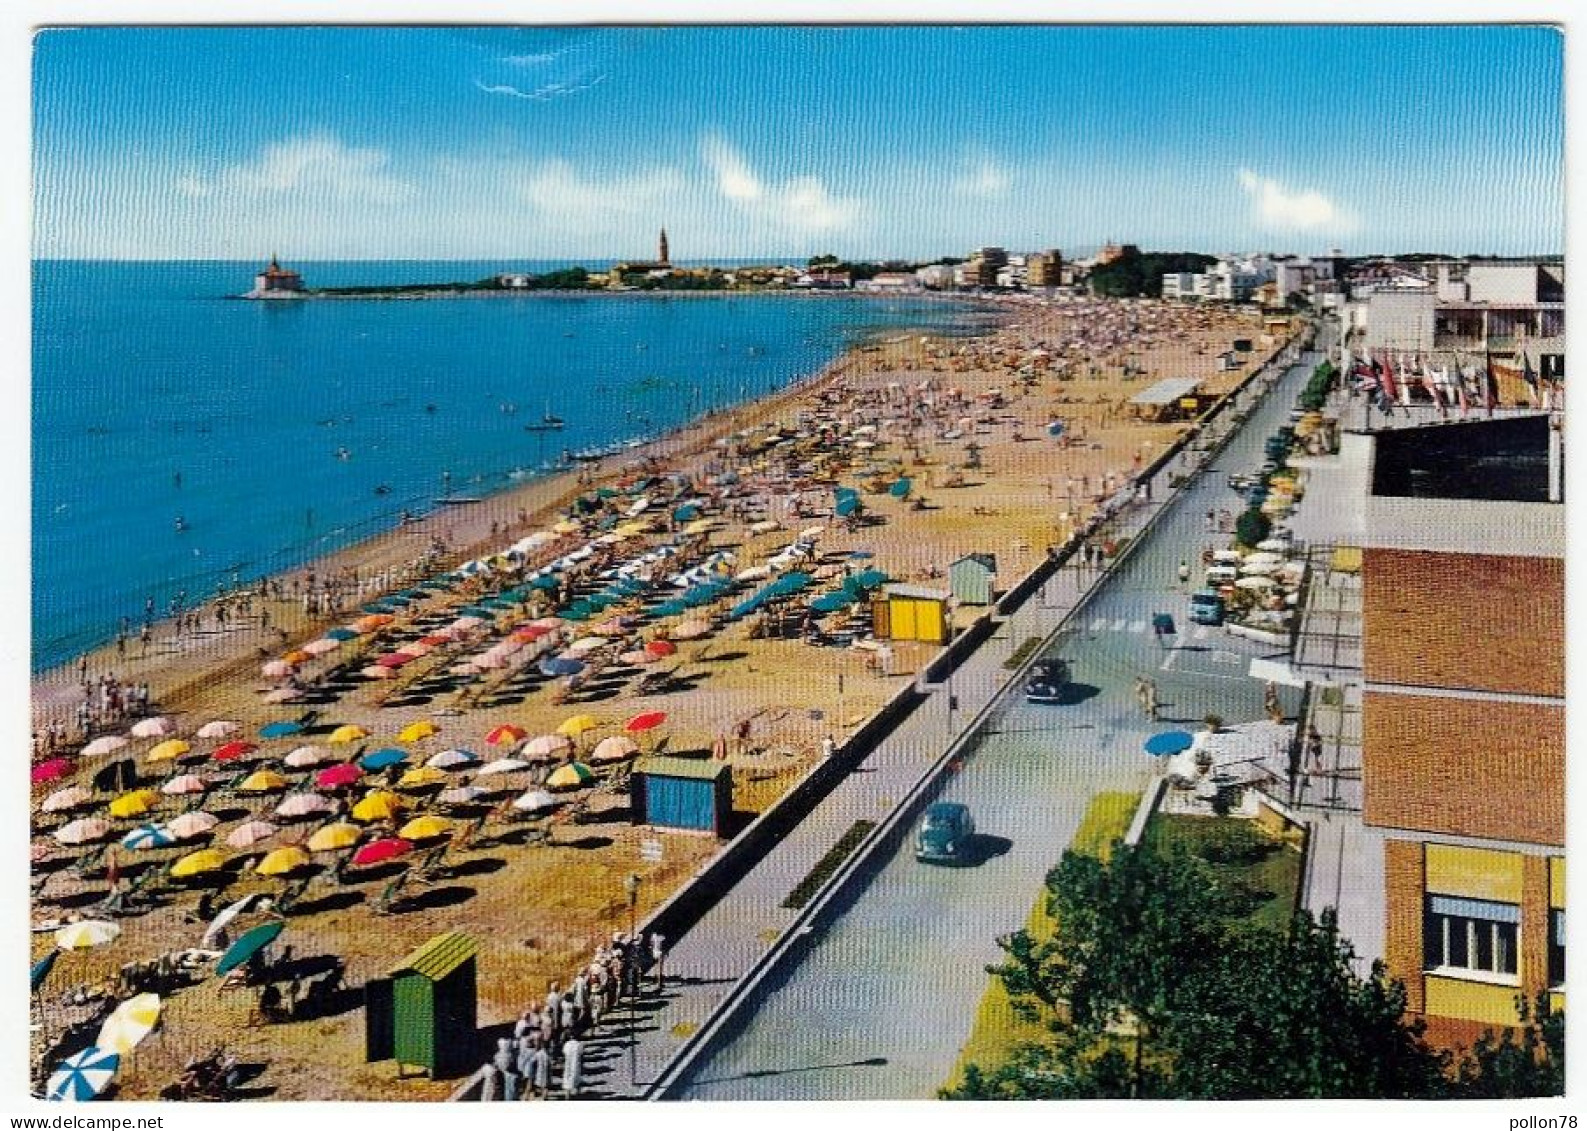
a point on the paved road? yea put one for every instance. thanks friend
(879, 1000)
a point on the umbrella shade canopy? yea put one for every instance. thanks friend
(184, 784)
(571, 776)
(378, 805)
(233, 750)
(661, 648)
(149, 836)
(506, 734)
(900, 488)
(463, 795)
(248, 944)
(383, 759)
(283, 861)
(1169, 742)
(200, 863)
(535, 801)
(379, 851)
(691, 630)
(264, 781)
(347, 733)
(133, 1020)
(346, 773)
(335, 837)
(1255, 581)
(559, 665)
(108, 744)
(84, 831)
(425, 828)
(190, 825)
(134, 804)
(306, 756)
(378, 671)
(83, 1076)
(86, 934)
(280, 729)
(321, 646)
(614, 749)
(417, 731)
(170, 749)
(577, 725)
(276, 669)
(220, 728)
(502, 766)
(647, 721)
(41, 970)
(284, 695)
(453, 759)
(250, 833)
(303, 805)
(421, 776)
(158, 727)
(65, 800)
(639, 659)
(547, 746)
(51, 770)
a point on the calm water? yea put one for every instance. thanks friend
(156, 397)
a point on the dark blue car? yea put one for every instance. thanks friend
(944, 833)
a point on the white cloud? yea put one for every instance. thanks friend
(539, 59)
(982, 177)
(190, 185)
(543, 93)
(556, 188)
(320, 164)
(800, 204)
(1280, 208)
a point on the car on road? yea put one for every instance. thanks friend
(1206, 607)
(1047, 681)
(944, 833)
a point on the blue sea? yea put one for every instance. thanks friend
(158, 396)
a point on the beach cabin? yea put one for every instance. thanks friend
(910, 612)
(1166, 400)
(682, 793)
(970, 579)
(424, 1012)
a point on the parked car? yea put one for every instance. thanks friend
(1206, 607)
(1221, 575)
(1047, 681)
(944, 833)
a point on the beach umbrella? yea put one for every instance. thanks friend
(297, 656)
(305, 757)
(299, 805)
(571, 776)
(419, 777)
(378, 671)
(116, 776)
(250, 833)
(232, 751)
(343, 773)
(661, 648)
(201, 863)
(453, 759)
(50, 770)
(427, 827)
(134, 804)
(41, 970)
(347, 733)
(379, 851)
(341, 635)
(276, 669)
(184, 784)
(647, 721)
(585, 644)
(82, 1076)
(169, 750)
(560, 666)
(506, 734)
(577, 725)
(417, 731)
(463, 795)
(248, 944)
(1255, 581)
(283, 861)
(393, 660)
(900, 488)
(87, 934)
(810, 532)
(638, 658)
(109, 744)
(321, 646)
(157, 727)
(535, 801)
(335, 837)
(187, 826)
(547, 746)
(220, 728)
(65, 800)
(614, 749)
(503, 766)
(691, 630)
(280, 729)
(132, 1020)
(149, 836)
(283, 695)
(1169, 742)
(753, 573)
(263, 781)
(378, 805)
(383, 759)
(1273, 545)
(367, 624)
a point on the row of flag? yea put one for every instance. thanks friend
(1389, 378)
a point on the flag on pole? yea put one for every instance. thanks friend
(1386, 377)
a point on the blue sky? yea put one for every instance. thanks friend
(578, 143)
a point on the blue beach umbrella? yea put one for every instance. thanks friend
(846, 506)
(149, 836)
(900, 488)
(342, 634)
(544, 582)
(1169, 742)
(383, 759)
(686, 513)
(1056, 428)
(280, 729)
(41, 970)
(559, 665)
(84, 1076)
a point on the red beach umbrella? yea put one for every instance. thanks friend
(49, 771)
(661, 647)
(379, 851)
(645, 722)
(345, 773)
(394, 660)
(233, 750)
(506, 734)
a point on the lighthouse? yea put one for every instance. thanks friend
(662, 258)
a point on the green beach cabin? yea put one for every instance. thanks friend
(424, 1012)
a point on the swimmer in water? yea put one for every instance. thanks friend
(181, 525)
(343, 453)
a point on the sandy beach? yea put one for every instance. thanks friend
(970, 422)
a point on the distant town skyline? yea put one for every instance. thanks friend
(787, 142)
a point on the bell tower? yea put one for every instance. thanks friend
(662, 258)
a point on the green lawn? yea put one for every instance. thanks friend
(1270, 883)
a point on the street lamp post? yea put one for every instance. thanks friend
(631, 887)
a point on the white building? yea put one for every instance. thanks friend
(936, 276)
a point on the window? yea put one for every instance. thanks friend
(1556, 947)
(1470, 935)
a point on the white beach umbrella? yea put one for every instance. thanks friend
(190, 825)
(108, 744)
(535, 801)
(65, 800)
(83, 831)
(220, 728)
(305, 757)
(157, 727)
(501, 766)
(184, 784)
(303, 805)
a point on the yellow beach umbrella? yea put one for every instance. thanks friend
(168, 750)
(577, 725)
(133, 1020)
(421, 776)
(377, 805)
(335, 837)
(88, 933)
(347, 733)
(700, 526)
(413, 732)
(566, 526)
(571, 776)
(262, 781)
(282, 861)
(134, 804)
(200, 863)
(425, 828)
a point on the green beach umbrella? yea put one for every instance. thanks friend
(248, 945)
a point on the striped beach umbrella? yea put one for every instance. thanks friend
(82, 1077)
(133, 1020)
(149, 836)
(86, 934)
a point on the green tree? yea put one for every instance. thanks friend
(828, 260)
(1252, 526)
(1513, 1065)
